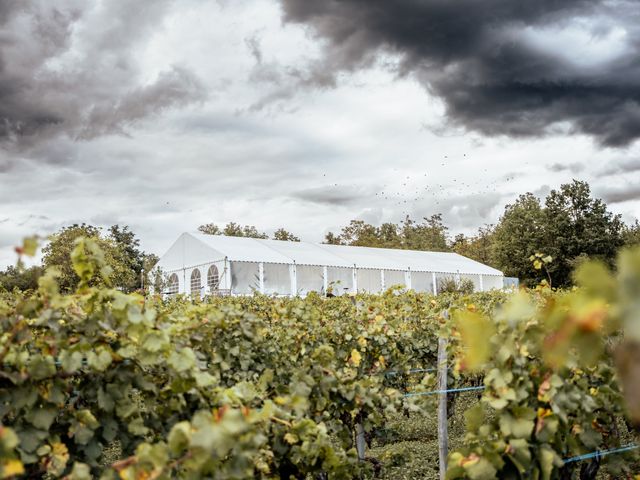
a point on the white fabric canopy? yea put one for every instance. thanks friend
(194, 249)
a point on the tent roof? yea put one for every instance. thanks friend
(241, 249)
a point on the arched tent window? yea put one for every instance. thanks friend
(173, 284)
(213, 278)
(195, 282)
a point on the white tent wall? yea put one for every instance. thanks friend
(475, 279)
(204, 270)
(340, 279)
(369, 280)
(276, 279)
(422, 282)
(492, 282)
(309, 278)
(443, 277)
(394, 277)
(245, 278)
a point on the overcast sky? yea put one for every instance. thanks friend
(163, 115)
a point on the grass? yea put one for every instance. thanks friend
(408, 446)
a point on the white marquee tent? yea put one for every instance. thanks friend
(207, 264)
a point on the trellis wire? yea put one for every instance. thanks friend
(602, 453)
(449, 390)
(413, 370)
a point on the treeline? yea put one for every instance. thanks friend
(569, 225)
(233, 229)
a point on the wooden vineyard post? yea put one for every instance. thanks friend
(443, 436)
(360, 441)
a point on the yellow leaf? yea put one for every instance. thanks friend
(355, 358)
(476, 331)
(362, 342)
(11, 468)
(291, 438)
(381, 360)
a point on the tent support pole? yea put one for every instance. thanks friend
(261, 276)
(325, 280)
(293, 275)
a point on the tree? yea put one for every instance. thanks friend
(252, 232)
(23, 279)
(518, 235)
(57, 253)
(631, 234)
(430, 235)
(478, 247)
(360, 233)
(282, 234)
(210, 229)
(332, 239)
(578, 226)
(232, 229)
(389, 236)
(137, 260)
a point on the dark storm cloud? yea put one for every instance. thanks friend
(489, 62)
(70, 68)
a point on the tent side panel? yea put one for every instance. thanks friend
(491, 282)
(393, 278)
(245, 278)
(422, 282)
(277, 279)
(369, 280)
(475, 279)
(441, 278)
(340, 279)
(310, 279)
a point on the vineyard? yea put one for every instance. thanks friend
(102, 384)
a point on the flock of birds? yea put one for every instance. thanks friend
(409, 190)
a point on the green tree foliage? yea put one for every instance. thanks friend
(332, 239)
(210, 229)
(570, 227)
(578, 226)
(120, 248)
(518, 235)
(282, 234)
(232, 229)
(430, 234)
(139, 262)
(631, 234)
(20, 278)
(478, 247)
